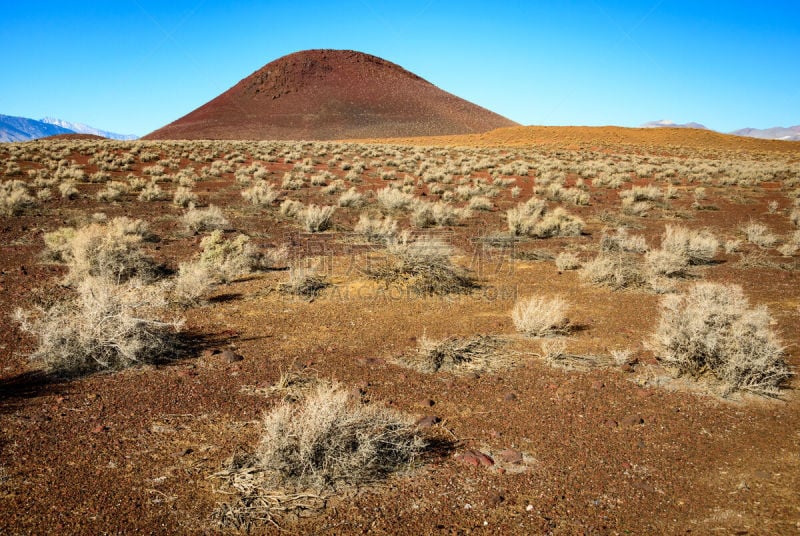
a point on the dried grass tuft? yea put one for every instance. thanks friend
(458, 355)
(424, 265)
(327, 442)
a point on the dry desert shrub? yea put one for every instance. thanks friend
(197, 220)
(336, 186)
(440, 213)
(321, 179)
(642, 193)
(792, 244)
(67, 189)
(617, 271)
(566, 260)
(304, 282)
(731, 245)
(184, 197)
(112, 250)
(394, 199)
(556, 192)
(662, 262)
(70, 173)
(712, 330)
(375, 229)
(622, 242)
(193, 280)
(423, 265)
(539, 316)
(293, 181)
(480, 202)
(310, 449)
(453, 354)
(637, 200)
(351, 198)
(315, 219)
(226, 259)
(759, 235)
(696, 246)
(532, 218)
(772, 207)
(99, 177)
(14, 198)
(107, 326)
(260, 194)
(523, 217)
(635, 208)
(794, 217)
(151, 192)
(113, 191)
(291, 208)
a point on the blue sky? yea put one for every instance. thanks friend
(132, 66)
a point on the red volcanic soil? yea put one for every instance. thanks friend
(579, 136)
(332, 94)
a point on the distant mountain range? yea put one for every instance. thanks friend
(81, 128)
(24, 129)
(666, 123)
(774, 133)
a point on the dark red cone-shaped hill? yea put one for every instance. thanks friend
(331, 94)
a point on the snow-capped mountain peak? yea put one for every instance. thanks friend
(82, 128)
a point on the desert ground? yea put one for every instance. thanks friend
(164, 304)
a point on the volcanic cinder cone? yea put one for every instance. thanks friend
(331, 94)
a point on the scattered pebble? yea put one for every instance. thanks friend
(475, 458)
(230, 356)
(495, 499)
(763, 475)
(510, 456)
(632, 420)
(428, 421)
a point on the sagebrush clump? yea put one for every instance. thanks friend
(304, 282)
(315, 219)
(14, 198)
(376, 230)
(204, 219)
(313, 448)
(424, 265)
(712, 330)
(112, 250)
(533, 218)
(227, 259)
(261, 194)
(696, 246)
(106, 326)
